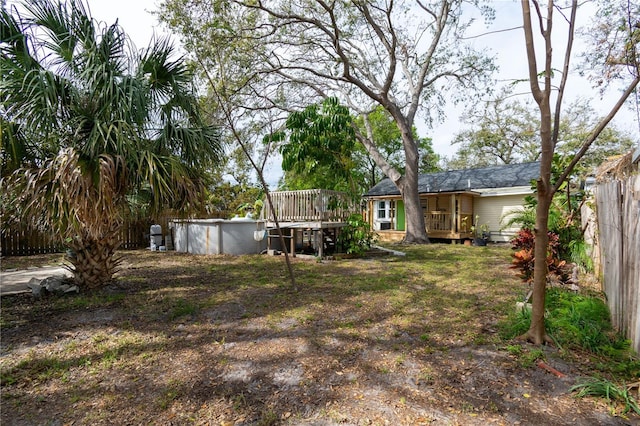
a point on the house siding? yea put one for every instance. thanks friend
(493, 209)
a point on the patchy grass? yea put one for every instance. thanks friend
(181, 308)
(183, 339)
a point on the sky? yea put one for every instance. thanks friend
(509, 50)
(508, 47)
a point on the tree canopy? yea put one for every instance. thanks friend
(399, 56)
(505, 131)
(319, 148)
(389, 141)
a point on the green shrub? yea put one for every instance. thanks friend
(564, 223)
(357, 237)
(579, 321)
(579, 255)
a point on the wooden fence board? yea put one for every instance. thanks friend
(631, 258)
(609, 228)
(618, 212)
(21, 241)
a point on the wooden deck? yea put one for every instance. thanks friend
(306, 237)
(311, 205)
(310, 219)
(390, 236)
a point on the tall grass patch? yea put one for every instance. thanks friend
(619, 397)
(581, 322)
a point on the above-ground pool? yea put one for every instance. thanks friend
(219, 236)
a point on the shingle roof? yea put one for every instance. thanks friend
(504, 176)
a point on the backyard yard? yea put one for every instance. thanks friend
(222, 340)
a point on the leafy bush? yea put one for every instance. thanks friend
(564, 221)
(357, 237)
(580, 321)
(579, 254)
(523, 258)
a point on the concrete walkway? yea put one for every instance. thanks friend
(15, 282)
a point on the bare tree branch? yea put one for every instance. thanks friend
(565, 73)
(222, 104)
(596, 132)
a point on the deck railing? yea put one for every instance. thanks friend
(310, 205)
(438, 221)
(442, 221)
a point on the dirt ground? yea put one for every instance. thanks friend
(262, 355)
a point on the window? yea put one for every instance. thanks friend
(382, 209)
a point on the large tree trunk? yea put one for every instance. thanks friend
(415, 231)
(414, 219)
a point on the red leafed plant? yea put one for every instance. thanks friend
(523, 258)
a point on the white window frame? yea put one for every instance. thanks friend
(386, 210)
(384, 207)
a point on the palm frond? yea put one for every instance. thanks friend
(170, 183)
(33, 96)
(187, 143)
(519, 217)
(14, 47)
(169, 79)
(72, 194)
(14, 146)
(54, 19)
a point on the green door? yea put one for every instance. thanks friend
(399, 215)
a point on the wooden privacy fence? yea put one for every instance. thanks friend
(21, 241)
(618, 213)
(18, 241)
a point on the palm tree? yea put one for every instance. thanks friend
(88, 123)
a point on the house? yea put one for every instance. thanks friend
(454, 201)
